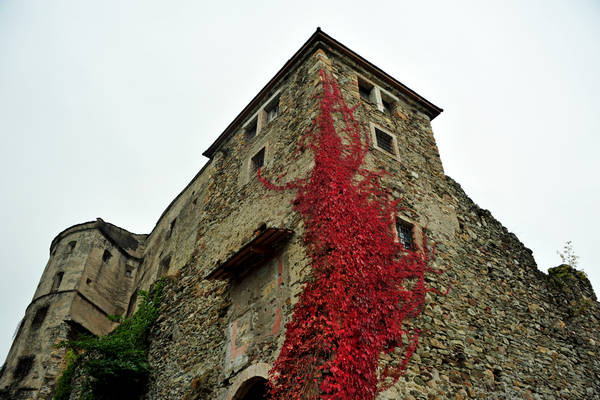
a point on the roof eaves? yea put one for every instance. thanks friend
(431, 109)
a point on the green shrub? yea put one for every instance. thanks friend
(114, 366)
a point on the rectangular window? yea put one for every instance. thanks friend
(404, 230)
(387, 106)
(23, 367)
(384, 141)
(251, 130)
(258, 160)
(39, 317)
(365, 90)
(272, 111)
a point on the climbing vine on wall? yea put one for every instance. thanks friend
(365, 287)
(114, 366)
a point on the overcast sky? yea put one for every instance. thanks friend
(106, 107)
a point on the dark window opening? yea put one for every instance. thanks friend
(272, 111)
(365, 89)
(72, 245)
(251, 130)
(128, 272)
(57, 281)
(405, 234)
(387, 106)
(165, 263)
(258, 160)
(254, 389)
(106, 256)
(39, 317)
(88, 281)
(384, 141)
(132, 301)
(171, 227)
(23, 367)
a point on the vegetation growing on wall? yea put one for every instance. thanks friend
(114, 366)
(365, 288)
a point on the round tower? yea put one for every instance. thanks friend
(88, 277)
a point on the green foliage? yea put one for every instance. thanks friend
(114, 318)
(114, 366)
(63, 386)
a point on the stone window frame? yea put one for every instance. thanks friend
(383, 100)
(260, 119)
(375, 127)
(249, 170)
(416, 230)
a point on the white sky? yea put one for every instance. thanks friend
(106, 107)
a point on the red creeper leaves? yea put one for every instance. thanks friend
(365, 286)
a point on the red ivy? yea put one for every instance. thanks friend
(365, 286)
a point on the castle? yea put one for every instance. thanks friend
(237, 263)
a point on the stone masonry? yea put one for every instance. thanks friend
(235, 262)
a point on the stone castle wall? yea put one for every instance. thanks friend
(504, 330)
(499, 333)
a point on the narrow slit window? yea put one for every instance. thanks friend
(132, 301)
(171, 227)
(57, 281)
(404, 230)
(128, 272)
(106, 256)
(72, 245)
(258, 160)
(384, 141)
(165, 263)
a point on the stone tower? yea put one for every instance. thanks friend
(89, 276)
(236, 263)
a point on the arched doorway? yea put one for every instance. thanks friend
(253, 389)
(250, 384)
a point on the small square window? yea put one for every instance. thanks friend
(272, 111)
(128, 273)
(258, 160)
(404, 230)
(384, 141)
